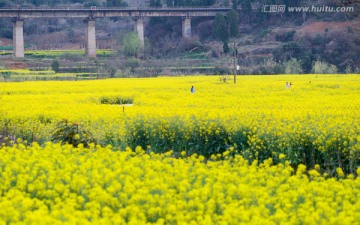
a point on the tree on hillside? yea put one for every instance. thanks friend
(203, 2)
(293, 66)
(226, 47)
(190, 2)
(2, 3)
(245, 5)
(116, 3)
(246, 10)
(235, 4)
(221, 31)
(55, 66)
(155, 3)
(220, 28)
(132, 44)
(169, 2)
(179, 2)
(321, 67)
(233, 20)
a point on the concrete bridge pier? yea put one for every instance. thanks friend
(18, 38)
(90, 38)
(139, 29)
(186, 27)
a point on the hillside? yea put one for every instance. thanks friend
(265, 41)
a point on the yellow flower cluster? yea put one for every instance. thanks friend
(58, 184)
(316, 121)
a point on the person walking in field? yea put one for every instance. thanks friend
(192, 89)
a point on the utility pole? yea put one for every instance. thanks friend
(235, 62)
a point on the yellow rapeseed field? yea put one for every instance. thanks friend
(251, 153)
(316, 121)
(66, 185)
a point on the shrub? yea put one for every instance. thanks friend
(189, 44)
(293, 66)
(226, 48)
(218, 70)
(116, 100)
(278, 69)
(205, 29)
(72, 133)
(286, 37)
(55, 65)
(320, 67)
(132, 63)
(131, 44)
(6, 75)
(123, 73)
(348, 69)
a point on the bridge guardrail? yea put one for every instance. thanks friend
(116, 8)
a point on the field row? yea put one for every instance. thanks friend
(61, 184)
(316, 121)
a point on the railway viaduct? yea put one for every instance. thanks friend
(90, 15)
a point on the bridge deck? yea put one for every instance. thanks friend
(111, 12)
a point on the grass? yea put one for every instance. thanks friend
(44, 75)
(57, 53)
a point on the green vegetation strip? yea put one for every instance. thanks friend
(57, 53)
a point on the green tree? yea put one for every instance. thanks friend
(190, 2)
(179, 3)
(324, 68)
(2, 3)
(116, 3)
(169, 2)
(246, 10)
(293, 66)
(348, 69)
(131, 44)
(132, 63)
(55, 65)
(226, 47)
(155, 3)
(235, 4)
(245, 5)
(221, 31)
(220, 28)
(233, 20)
